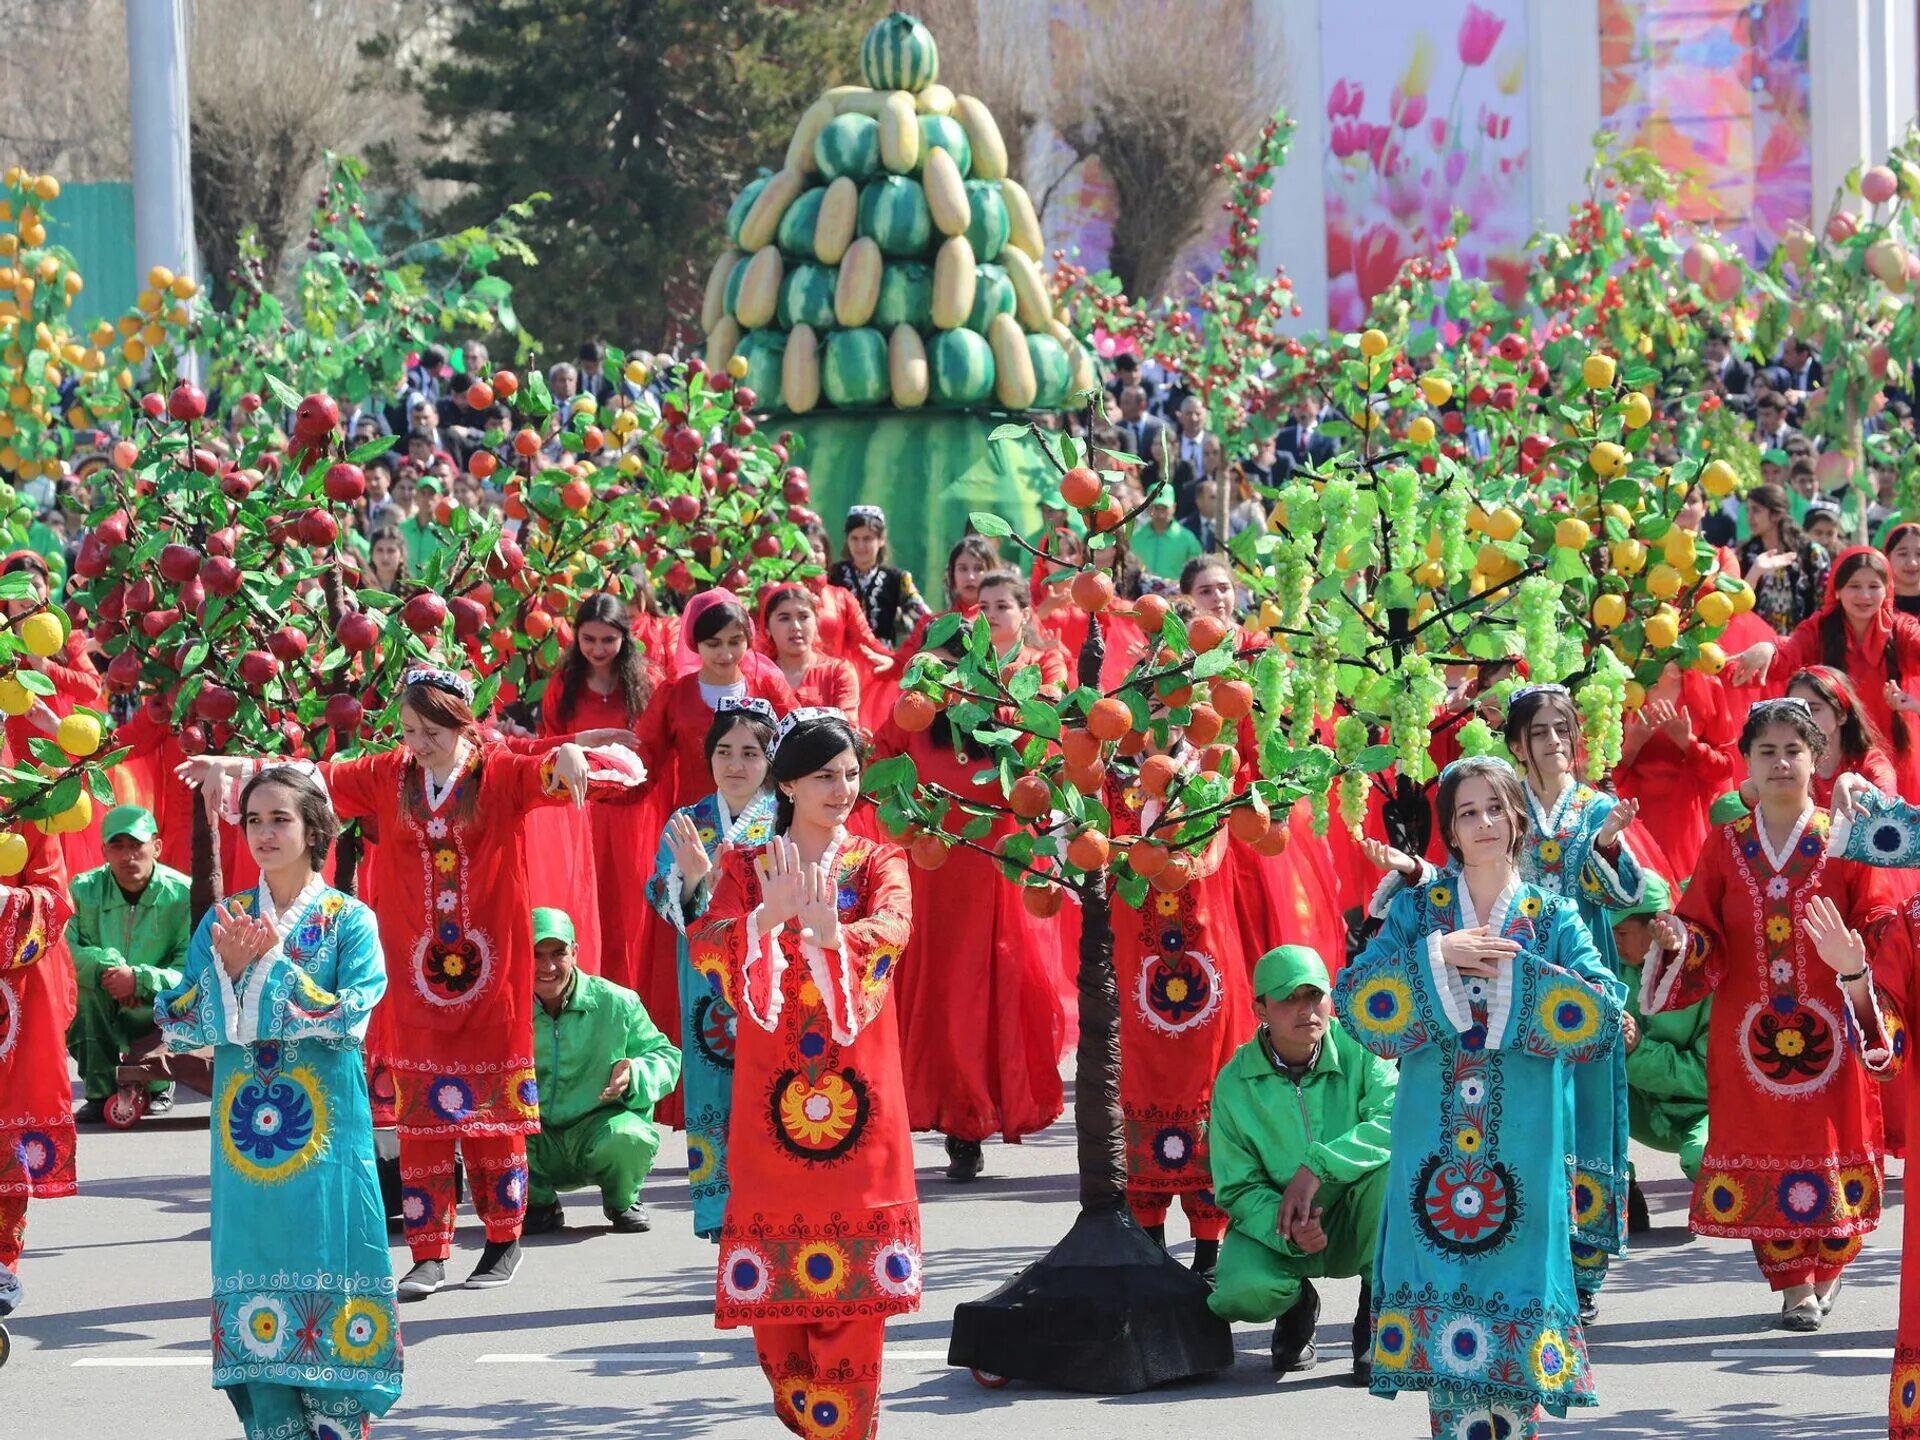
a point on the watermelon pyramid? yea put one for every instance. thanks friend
(891, 262)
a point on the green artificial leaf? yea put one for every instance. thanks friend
(47, 753)
(987, 523)
(1040, 718)
(1007, 432)
(1375, 758)
(1214, 662)
(34, 683)
(371, 450)
(943, 629)
(977, 828)
(1024, 683)
(101, 787)
(1131, 889)
(283, 393)
(895, 772)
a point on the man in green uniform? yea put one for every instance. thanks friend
(131, 924)
(1666, 1056)
(1301, 1128)
(602, 1065)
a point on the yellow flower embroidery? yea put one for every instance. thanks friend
(444, 861)
(1779, 929)
(1550, 851)
(1468, 1140)
(1440, 897)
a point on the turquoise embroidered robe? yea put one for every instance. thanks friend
(1561, 859)
(303, 1292)
(706, 1019)
(1473, 1286)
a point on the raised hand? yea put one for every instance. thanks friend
(781, 882)
(1840, 948)
(1616, 823)
(1851, 793)
(1671, 934)
(1384, 857)
(689, 851)
(1750, 665)
(820, 908)
(1476, 951)
(239, 939)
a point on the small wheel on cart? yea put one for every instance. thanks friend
(987, 1380)
(6, 1345)
(125, 1107)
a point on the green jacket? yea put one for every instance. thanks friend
(573, 1051)
(1338, 1122)
(1668, 1068)
(149, 938)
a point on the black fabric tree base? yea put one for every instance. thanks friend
(1107, 1311)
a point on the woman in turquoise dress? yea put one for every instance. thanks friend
(1577, 849)
(738, 813)
(280, 981)
(1473, 1287)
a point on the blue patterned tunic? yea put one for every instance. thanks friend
(305, 1336)
(1562, 860)
(1473, 1286)
(706, 1019)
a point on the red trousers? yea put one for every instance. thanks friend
(1787, 1263)
(825, 1376)
(13, 1228)
(496, 1179)
(1205, 1219)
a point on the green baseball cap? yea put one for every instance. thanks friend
(1655, 897)
(1285, 968)
(133, 820)
(551, 924)
(1727, 809)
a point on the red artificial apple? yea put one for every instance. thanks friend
(193, 597)
(220, 576)
(249, 402)
(113, 529)
(223, 542)
(345, 483)
(357, 633)
(187, 402)
(287, 644)
(237, 484)
(216, 703)
(141, 596)
(766, 546)
(684, 508)
(93, 559)
(343, 712)
(469, 617)
(316, 417)
(123, 671)
(257, 668)
(796, 488)
(156, 623)
(179, 564)
(155, 405)
(318, 527)
(423, 614)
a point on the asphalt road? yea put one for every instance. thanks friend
(607, 1335)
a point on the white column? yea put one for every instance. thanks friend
(1563, 104)
(157, 98)
(1861, 58)
(1293, 228)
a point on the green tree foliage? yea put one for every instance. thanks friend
(641, 118)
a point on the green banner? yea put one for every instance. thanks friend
(928, 471)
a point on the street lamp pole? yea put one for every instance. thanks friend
(162, 145)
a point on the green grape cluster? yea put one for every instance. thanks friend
(1339, 513)
(1349, 738)
(1270, 685)
(1293, 578)
(1410, 713)
(1536, 605)
(1318, 804)
(1307, 666)
(1602, 702)
(1400, 499)
(1448, 518)
(1476, 737)
(1353, 800)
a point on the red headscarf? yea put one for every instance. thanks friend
(1880, 625)
(686, 656)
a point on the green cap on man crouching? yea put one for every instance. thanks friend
(1285, 968)
(133, 821)
(1655, 898)
(551, 924)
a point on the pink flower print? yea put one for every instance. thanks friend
(1349, 138)
(1407, 110)
(1456, 166)
(1498, 126)
(1437, 130)
(1345, 98)
(1479, 33)
(1376, 259)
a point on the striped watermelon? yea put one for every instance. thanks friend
(899, 54)
(961, 363)
(733, 283)
(1052, 375)
(893, 211)
(849, 145)
(806, 297)
(942, 132)
(906, 297)
(737, 216)
(992, 295)
(987, 231)
(854, 375)
(795, 235)
(764, 350)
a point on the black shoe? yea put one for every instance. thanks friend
(159, 1102)
(1206, 1259)
(1804, 1318)
(422, 1280)
(1293, 1347)
(92, 1112)
(1589, 1307)
(631, 1221)
(544, 1219)
(1639, 1221)
(497, 1264)
(1363, 1336)
(964, 1160)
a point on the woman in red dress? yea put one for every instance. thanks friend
(790, 620)
(37, 999)
(1186, 1003)
(821, 1241)
(1773, 914)
(456, 924)
(1676, 760)
(845, 632)
(601, 685)
(1860, 633)
(1003, 601)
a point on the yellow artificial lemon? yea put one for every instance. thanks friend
(1663, 629)
(1742, 598)
(1476, 519)
(1678, 548)
(1663, 582)
(1609, 611)
(1635, 695)
(1718, 479)
(1572, 534)
(15, 698)
(42, 633)
(1420, 430)
(1373, 344)
(1711, 660)
(636, 373)
(1431, 574)
(1629, 557)
(158, 278)
(1714, 608)
(78, 735)
(1437, 389)
(1637, 411)
(1597, 371)
(13, 854)
(1607, 459)
(72, 820)
(737, 367)
(1504, 523)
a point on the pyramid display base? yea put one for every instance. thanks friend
(1106, 1312)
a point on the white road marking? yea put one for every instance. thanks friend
(669, 1357)
(1788, 1352)
(133, 1362)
